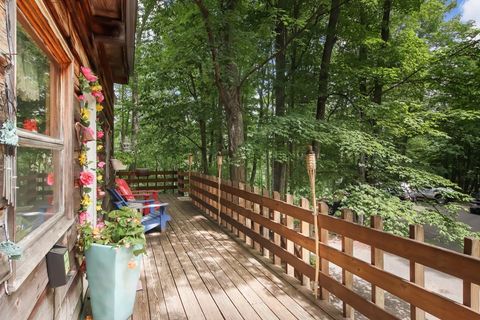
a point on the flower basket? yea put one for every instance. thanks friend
(113, 251)
(113, 274)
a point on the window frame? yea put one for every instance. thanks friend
(40, 25)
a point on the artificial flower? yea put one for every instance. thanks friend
(88, 74)
(50, 179)
(82, 217)
(81, 97)
(99, 107)
(99, 147)
(101, 164)
(100, 134)
(100, 224)
(86, 201)
(99, 177)
(30, 125)
(99, 207)
(84, 114)
(86, 178)
(82, 159)
(96, 87)
(99, 96)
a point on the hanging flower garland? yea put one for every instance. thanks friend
(89, 84)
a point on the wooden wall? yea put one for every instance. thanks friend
(34, 299)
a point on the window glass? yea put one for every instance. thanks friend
(35, 82)
(39, 188)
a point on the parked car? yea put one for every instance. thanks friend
(440, 194)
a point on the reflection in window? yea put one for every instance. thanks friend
(34, 71)
(38, 194)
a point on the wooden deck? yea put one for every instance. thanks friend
(195, 270)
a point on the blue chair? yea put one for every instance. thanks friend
(158, 216)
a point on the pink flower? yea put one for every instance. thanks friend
(50, 179)
(82, 217)
(86, 178)
(101, 164)
(99, 96)
(100, 224)
(81, 97)
(88, 74)
(100, 134)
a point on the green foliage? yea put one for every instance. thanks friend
(122, 227)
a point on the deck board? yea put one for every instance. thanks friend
(196, 271)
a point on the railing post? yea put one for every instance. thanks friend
(241, 218)
(378, 294)
(471, 291)
(324, 265)
(417, 271)
(266, 232)
(276, 237)
(305, 230)
(347, 277)
(290, 245)
(180, 183)
(256, 226)
(248, 222)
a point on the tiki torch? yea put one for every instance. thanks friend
(219, 165)
(311, 169)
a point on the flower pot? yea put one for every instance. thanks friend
(112, 274)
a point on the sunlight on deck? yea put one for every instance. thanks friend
(194, 270)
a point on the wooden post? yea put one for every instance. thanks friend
(241, 203)
(266, 231)
(276, 237)
(190, 161)
(256, 226)
(324, 265)
(378, 294)
(234, 199)
(248, 222)
(305, 229)
(471, 291)
(347, 277)
(290, 245)
(219, 166)
(180, 184)
(417, 271)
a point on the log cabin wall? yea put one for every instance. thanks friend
(92, 33)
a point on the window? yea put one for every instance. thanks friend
(39, 156)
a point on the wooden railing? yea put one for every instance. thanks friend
(153, 180)
(281, 231)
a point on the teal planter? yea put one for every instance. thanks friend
(112, 274)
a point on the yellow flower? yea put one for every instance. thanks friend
(99, 177)
(86, 201)
(99, 147)
(82, 159)
(85, 114)
(96, 87)
(99, 208)
(99, 108)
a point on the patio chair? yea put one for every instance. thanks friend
(126, 192)
(157, 216)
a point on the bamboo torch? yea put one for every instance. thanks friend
(190, 161)
(219, 165)
(311, 169)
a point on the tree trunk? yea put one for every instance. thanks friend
(362, 57)
(280, 166)
(124, 119)
(324, 74)
(385, 34)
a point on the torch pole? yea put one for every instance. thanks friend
(219, 164)
(311, 169)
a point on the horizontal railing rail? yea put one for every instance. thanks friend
(152, 179)
(282, 232)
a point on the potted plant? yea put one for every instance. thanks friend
(113, 252)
